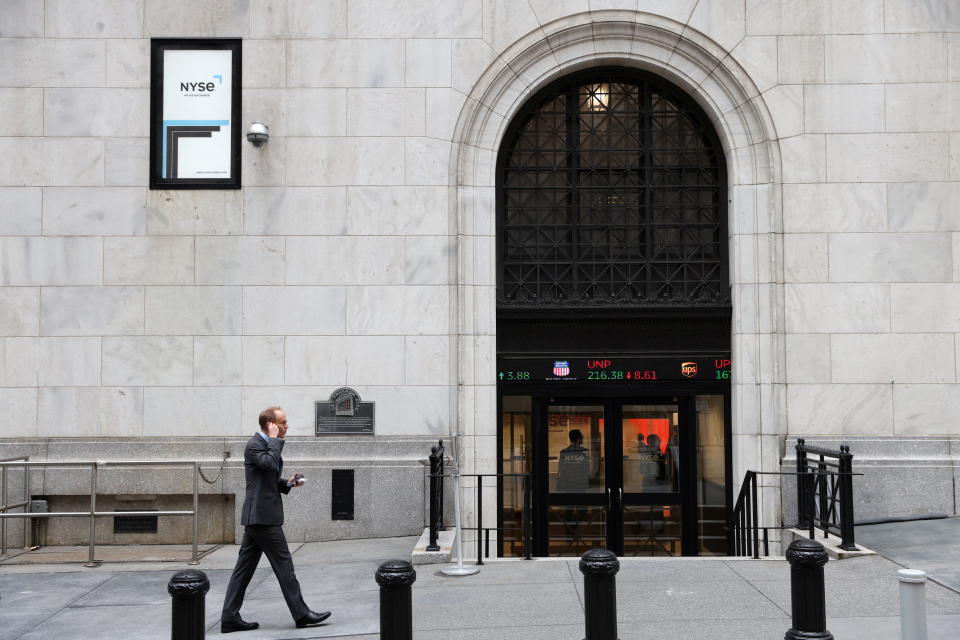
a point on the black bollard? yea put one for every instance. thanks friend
(395, 578)
(599, 568)
(189, 590)
(807, 596)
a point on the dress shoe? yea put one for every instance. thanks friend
(312, 618)
(238, 625)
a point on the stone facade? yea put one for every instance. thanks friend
(361, 250)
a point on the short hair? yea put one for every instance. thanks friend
(268, 415)
(576, 436)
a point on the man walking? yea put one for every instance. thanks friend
(262, 517)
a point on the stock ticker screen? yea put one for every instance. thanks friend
(613, 370)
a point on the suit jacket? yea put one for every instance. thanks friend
(262, 466)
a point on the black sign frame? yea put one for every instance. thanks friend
(157, 47)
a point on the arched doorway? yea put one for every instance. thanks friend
(613, 319)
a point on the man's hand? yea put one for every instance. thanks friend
(272, 430)
(293, 480)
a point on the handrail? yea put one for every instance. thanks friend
(743, 526)
(526, 511)
(834, 497)
(93, 514)
(811, 448)
(24, 503)
(739, 543)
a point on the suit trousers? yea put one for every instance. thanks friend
(257, 540)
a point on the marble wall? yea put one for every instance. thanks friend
(360, 250)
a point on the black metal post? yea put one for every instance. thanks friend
(441, 452)
(822, 479)
(808, 599)
(395, 578)
(435, 504)
(846, 499)
(188, 589)
(801, 489)
(754, 531)
(809, 506)
(599, 568)
(479, 519)
(527, 519)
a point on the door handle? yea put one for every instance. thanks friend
(620, 498)
(609, 501)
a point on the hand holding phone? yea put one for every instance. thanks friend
(297, 480)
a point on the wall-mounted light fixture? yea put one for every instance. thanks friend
(258, 134)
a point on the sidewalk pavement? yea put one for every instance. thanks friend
(930, 545)
(665, 599)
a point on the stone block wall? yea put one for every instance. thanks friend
(390, 488)
(900, 477)
(138, 313)
(361, 249)
(214, 526)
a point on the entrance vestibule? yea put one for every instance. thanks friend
(640, 471)
(613, 320)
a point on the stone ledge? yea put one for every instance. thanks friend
(445, 540)
(831, 543)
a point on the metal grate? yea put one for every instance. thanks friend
(135, 524)
(611, 194)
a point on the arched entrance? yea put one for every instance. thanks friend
(727, 95)
(613, 317)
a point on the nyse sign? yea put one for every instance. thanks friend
(194, 136)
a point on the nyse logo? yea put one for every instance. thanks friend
(197, 86)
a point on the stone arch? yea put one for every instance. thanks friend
(712, 77)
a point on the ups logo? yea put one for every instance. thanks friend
(688, 369)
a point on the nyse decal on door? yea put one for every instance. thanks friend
(195, 104)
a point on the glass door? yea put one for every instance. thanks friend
(613, 476)
(576, 505)
(649, 506)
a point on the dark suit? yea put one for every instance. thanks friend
(262, 515)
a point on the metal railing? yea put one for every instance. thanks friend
(483, 533)
(25, 503)
(833, 507)
(436, 494)
(744, 529)
(526, 510)
(93, 514)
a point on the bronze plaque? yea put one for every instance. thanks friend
(344, 413)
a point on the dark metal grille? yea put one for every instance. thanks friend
(135, 524)
(611, 194)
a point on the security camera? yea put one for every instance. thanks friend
(258, 134)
